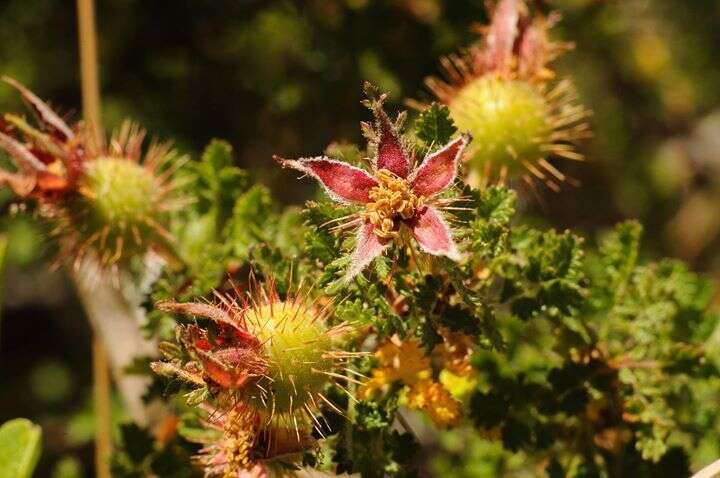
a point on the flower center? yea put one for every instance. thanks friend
(392, 201)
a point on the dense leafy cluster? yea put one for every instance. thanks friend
(349, 336)
(576, 362)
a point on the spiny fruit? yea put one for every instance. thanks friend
(298, 351)
(275, 356)
(123, 200)
(108, 200)
(122, 191)
(236, 443)
(501, 92)
(508, 119)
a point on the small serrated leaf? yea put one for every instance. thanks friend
(434, 125)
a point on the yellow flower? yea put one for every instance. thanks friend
(454, 352)
(436, 401)
(404, 361)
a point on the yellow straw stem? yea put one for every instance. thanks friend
(87, 37)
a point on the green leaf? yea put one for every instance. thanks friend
(434, 126)
(251, 220)
(68, 467)
(218, 155)
(218, 180)
(20, 445)
(619, 256)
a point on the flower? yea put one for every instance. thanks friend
(274, 356)
(397, 360)
(500, 91)
(394, 195)
(108, 199)
(435, 400)
(237, 443)
(405, 361)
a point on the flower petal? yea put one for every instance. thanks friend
(368, 248)
(437, 172)
(22, 185)
(343, 182)
(496, 54)
(534, 51)
(391, 154)
(43, 111)
(23, 158)
(433, 234)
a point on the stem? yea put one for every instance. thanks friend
(101, 398)
(87, 37)
(89, 71)
(713, 469)
(115, 316)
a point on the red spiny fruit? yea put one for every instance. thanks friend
(271, 356)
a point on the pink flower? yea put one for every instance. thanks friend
(395, 195)
(516, 45)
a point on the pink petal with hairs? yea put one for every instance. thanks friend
(258, 470)
(44, 112)
(343, 182)
(437, 172)
(22, 185)
(433, 234)
(501, 35)
(24, 159)
(533, 50)
(368, 248)
(391, 154)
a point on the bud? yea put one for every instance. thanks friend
(502, 93)
(270, 358)
(298, 347)
(108, 200)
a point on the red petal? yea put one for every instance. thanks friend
(207, 311)
(343, 182)
(51, 182)
(21, 155)
(391, 154)
(44, 112)
(368, 248)
(500, 39)
(433, 234)
(533, 49)
(224, 377)
(437, 172)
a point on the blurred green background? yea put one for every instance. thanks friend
(284, 77)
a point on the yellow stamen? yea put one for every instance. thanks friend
(392, 201)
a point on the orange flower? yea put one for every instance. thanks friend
(405, 361)
(435, 400)
(399, 361)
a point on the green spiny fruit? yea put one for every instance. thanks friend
(508, 120)
(500, 92)
(122, 202)
(298, 351)
(274, 356)
(108, 200)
